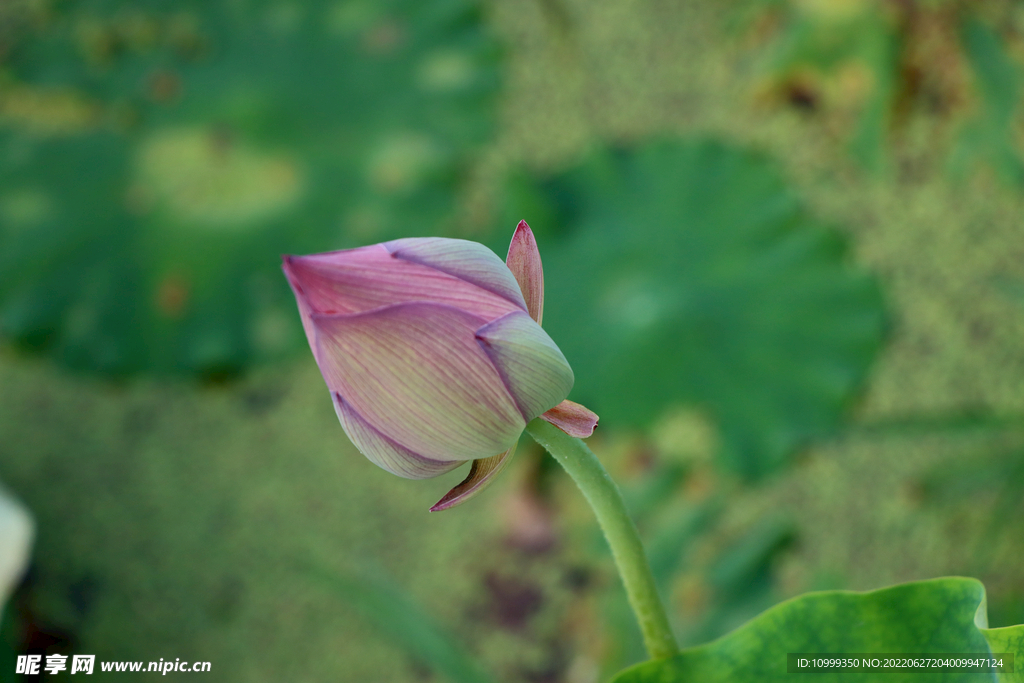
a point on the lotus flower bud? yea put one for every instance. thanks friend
(432, 354)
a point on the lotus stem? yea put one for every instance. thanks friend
(618, 527)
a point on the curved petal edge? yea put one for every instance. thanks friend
(533, 368)
(468, 261)
(417, 374)
(382, 451)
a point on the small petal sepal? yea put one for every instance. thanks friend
(572, 418)
(523, 261)
(481, 473)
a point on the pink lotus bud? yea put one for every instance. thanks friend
(431, 354)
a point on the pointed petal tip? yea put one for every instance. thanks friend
(481, 474)
(573, 419)
(294, 281)
(445, 503)
(523, 232)
(292, 266)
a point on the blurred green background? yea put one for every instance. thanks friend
(783, 255)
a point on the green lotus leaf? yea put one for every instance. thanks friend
(688, 273)
(157, 159)
(938, 617)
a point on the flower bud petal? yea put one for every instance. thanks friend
(536, 373)
(384, 452)
(572, 418)
(360, 280)
(481, 474)
(524, 262)
(416, 373)
(468, 261)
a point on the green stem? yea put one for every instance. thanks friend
(604, 497)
